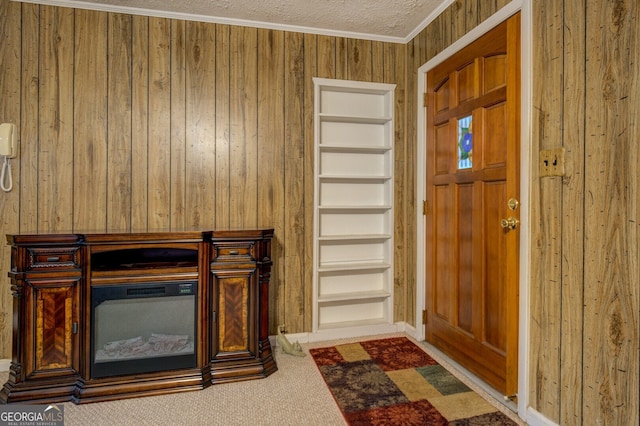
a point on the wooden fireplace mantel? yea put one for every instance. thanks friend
(51, 280)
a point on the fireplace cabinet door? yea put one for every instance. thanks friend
(51, 333)
(233, 329)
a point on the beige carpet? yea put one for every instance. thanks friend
(295, 395)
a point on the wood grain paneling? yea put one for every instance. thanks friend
(378, 69)
(546, 213)
(571, 352)
(222, 188)
(359, 59)
(10, 109)
(159, 125)
(325, 56)
(295, 301)
(272, 149)
(243, 131)
(90, 159)
(612, 214)
(146, 123)
(341, 65)
(180, 108)
(140, 122)
(54, 204)
(119, 119)
(395, 70)
(200, 130)
(312, 48)
(29, 129)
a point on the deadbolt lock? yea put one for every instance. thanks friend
(510, 223)
(513, 204)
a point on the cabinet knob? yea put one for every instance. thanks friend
(234, 252)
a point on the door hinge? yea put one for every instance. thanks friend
(425, 102)
(424, 316)
(425, 207)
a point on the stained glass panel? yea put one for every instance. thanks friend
(465, 143)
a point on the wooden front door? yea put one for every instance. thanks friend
(472, 228)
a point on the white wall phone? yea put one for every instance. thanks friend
(8, 149)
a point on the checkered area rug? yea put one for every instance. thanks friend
(394, 382)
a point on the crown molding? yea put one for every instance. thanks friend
(433, 15)
(77, 4)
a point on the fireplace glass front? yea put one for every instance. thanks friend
(143, 328)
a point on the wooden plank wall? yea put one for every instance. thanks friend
(585, 302)
(139, 123)
(611, 379)
(584, 262)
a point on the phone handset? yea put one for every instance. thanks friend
(8, 149)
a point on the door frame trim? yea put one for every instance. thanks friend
(524, 7)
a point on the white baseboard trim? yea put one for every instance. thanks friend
(5, 364)
(409, 329)
(535, 418)
(347, 332)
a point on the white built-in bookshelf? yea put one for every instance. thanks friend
(353, 204)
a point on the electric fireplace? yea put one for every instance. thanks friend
(142, 328)
(100, 317)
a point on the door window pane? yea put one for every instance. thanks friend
(465, 143)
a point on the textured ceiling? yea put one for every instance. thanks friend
(387, 20)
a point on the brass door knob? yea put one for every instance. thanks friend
(510, 223)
